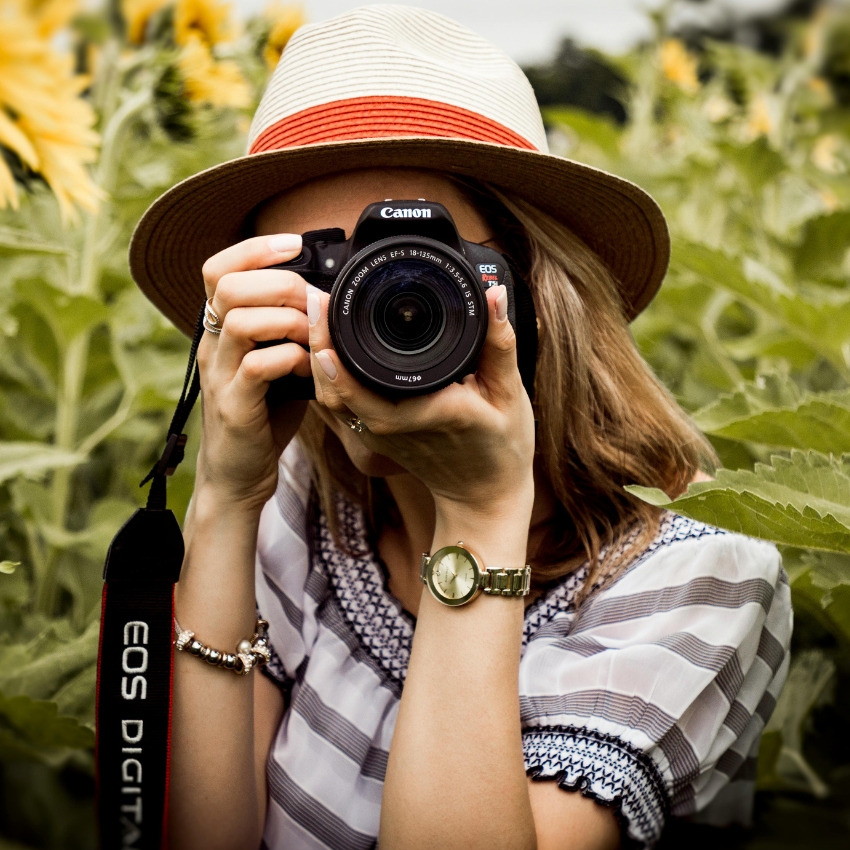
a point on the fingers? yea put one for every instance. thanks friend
(250, 254)
(497, 372)
(260, 367)
(259, 288)
(244, 327)
(496, 381)
(336, 388)
(253, 304)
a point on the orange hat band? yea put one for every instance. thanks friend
(381, 117)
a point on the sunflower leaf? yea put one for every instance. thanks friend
(772, 411)
(801, 501)
(16, 241)
(33, 459)
(39, 723)
(822, 321)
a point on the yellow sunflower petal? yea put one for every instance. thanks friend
(760, 120)
(8, 189)
(137, 13)
(51, 15)
(12, 137)
(678, 65)
(42, 117)
(207, 81)
(208, 20)
(286, 19)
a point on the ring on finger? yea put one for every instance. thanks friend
(212, 322)
(356, 424)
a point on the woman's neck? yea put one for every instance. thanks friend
(401, 545)
(415, 507)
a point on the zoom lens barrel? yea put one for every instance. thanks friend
(407, 316)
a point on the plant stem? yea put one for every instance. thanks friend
(75, 359)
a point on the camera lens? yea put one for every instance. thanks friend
(408, 310)
(408, 318)
(407, 315)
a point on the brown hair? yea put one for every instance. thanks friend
(604, 420)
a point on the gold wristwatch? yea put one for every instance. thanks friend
(455, 576)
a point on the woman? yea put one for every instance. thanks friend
(648, 656)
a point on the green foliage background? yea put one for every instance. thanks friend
(751, 332)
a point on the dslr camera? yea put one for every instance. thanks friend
(407, 311)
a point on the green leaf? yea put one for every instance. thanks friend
(68, 315)
(810, 674)
(14, 240)
(8, 567)
(822, 587)
(39, 723)
(801, 501)
(774, 412)
(42, 666)
(757, 161)
(33, 459)
(587, 126)
(823, 246)
(822, 322)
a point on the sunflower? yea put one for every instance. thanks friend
(137, 14)
(207, 81)
(43, 121)
(206, 20)
(760, 119)
(678, 65)
(50, 15)
(285, 19)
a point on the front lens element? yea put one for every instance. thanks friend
(409, 315)
(408, 318)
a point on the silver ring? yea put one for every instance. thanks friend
(356, 425)
(211, 328)
(212, 322)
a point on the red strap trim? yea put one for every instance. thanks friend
(380, 117)
(165, 840)
(97, 776)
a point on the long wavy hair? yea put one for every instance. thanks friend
(604, 420)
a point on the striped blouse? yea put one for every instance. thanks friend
(650, 696)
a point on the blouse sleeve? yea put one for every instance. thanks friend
(288, 591)
(653, 696)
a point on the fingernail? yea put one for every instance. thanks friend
(502, 304)
(314, 307)
(327, 364)
(285, 243)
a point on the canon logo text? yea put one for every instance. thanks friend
(390, 212)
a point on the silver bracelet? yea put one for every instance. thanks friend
(249, 653)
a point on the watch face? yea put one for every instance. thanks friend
(453, 576)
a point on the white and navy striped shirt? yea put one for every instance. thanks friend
(650, 697)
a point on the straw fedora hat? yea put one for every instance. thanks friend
(385, 86)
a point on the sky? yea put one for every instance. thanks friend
(529, 30)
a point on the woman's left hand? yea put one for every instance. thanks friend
(471, 443)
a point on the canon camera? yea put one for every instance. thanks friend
(407, 312)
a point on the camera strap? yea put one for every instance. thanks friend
(135, 655)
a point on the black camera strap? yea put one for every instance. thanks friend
(135, 656)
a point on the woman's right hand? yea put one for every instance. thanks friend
(241, 441)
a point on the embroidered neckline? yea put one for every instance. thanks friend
(382, 626)
(358, 584)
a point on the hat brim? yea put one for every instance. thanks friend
(206, 212)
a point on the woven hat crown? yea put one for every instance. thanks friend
(386, 70)
(389, 86)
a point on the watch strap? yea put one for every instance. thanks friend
(494, 581)
(511, 582)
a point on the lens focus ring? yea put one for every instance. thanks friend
(407, 314)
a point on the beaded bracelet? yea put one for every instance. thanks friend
(249, 653)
